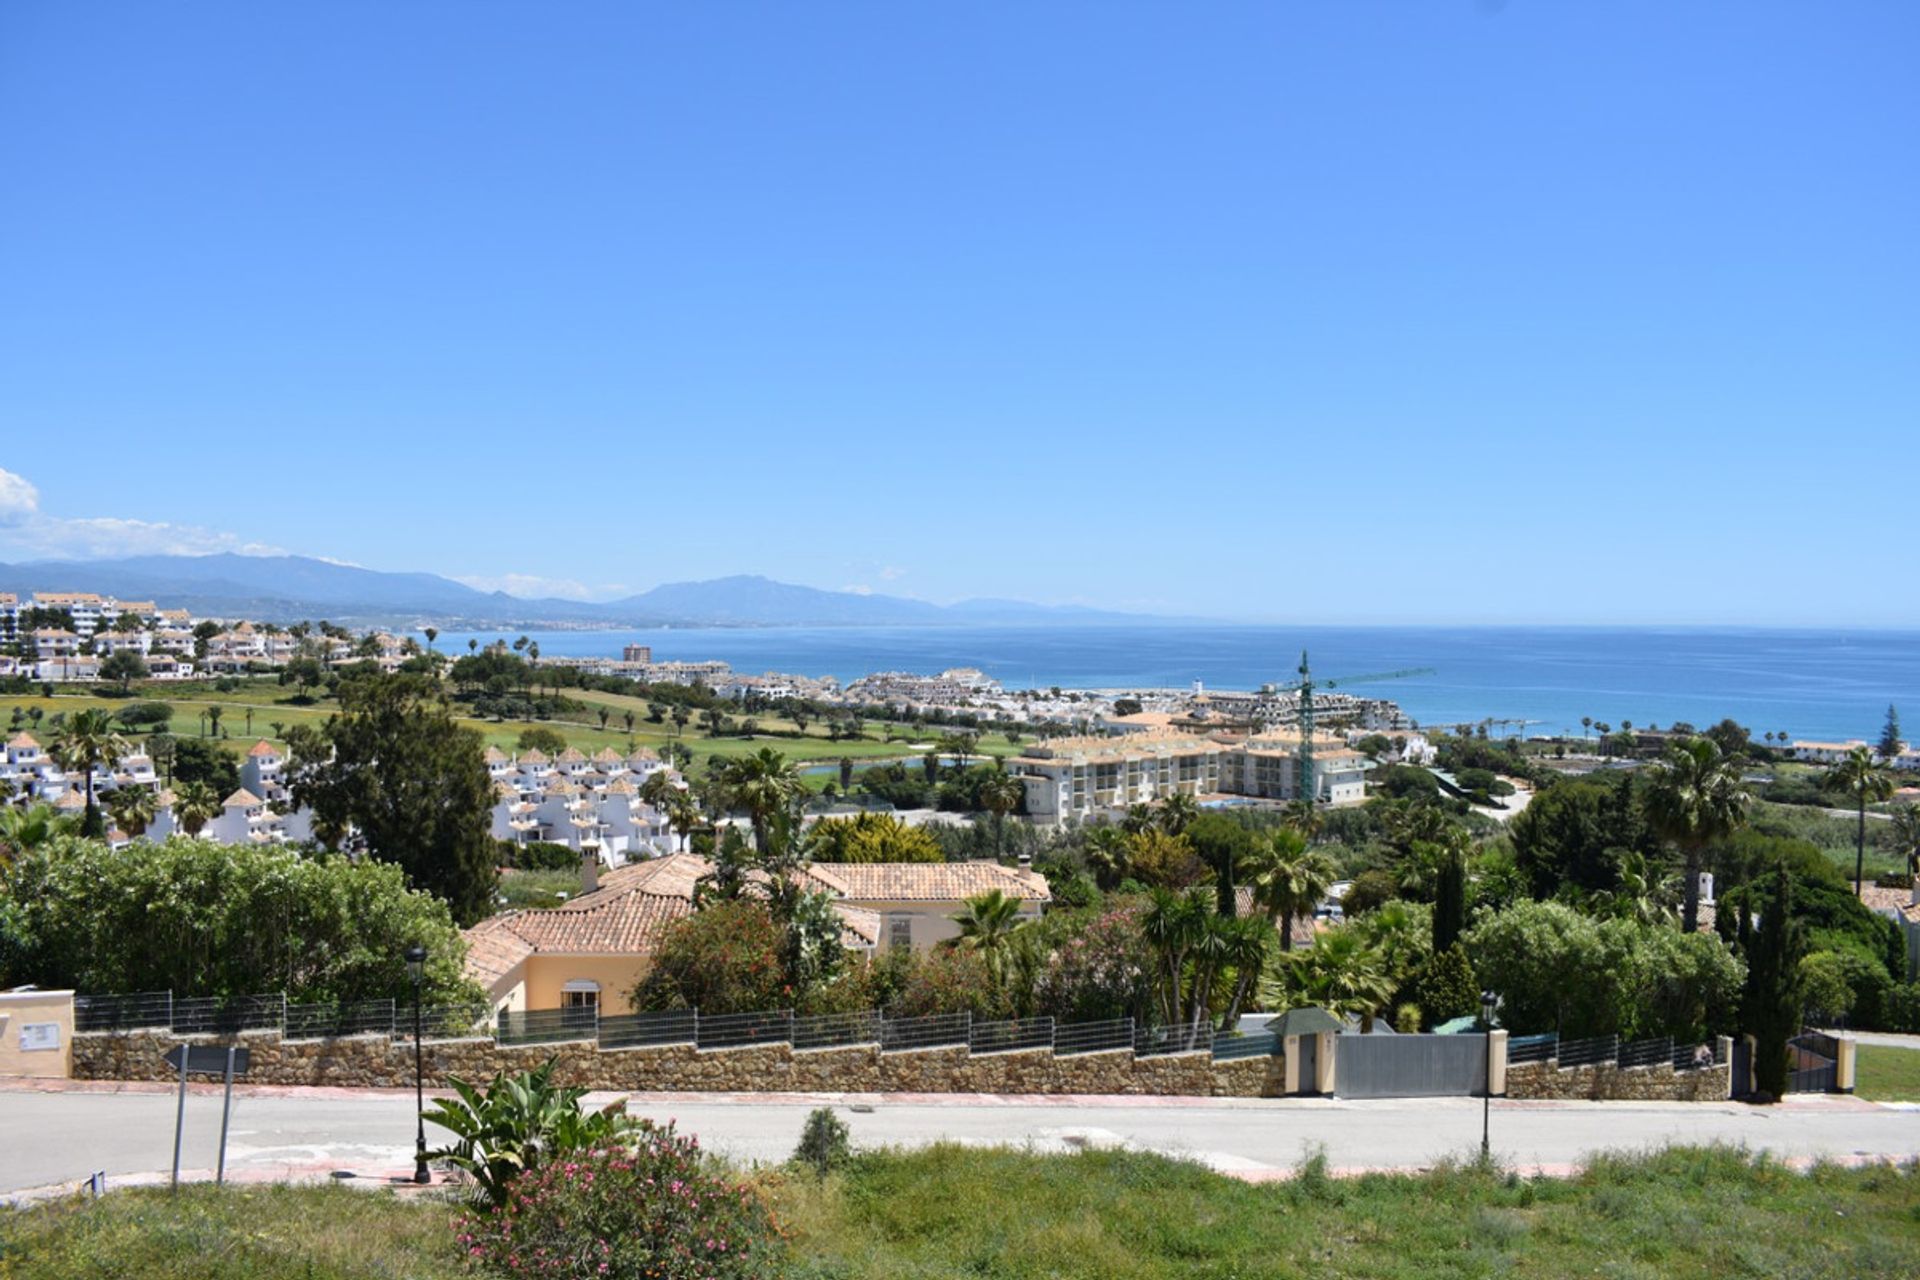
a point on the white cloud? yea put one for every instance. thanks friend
(529, 586)
(28, 533)
(892, 573)
(858, 589)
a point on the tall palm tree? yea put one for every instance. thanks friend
(1694, 798)
(196, 804)
(1861, 778)
(767, 785)
(1304, 816)
(132, 809)
(1288, 880)
(85, 743)
(1001, 793)
(1340, 973)
(213, 717)
(432, 634)
(987, 927)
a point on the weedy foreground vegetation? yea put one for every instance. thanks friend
(952, 1211)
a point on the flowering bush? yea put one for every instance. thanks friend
(724, 958)
(655, 1210)
(1101, 970)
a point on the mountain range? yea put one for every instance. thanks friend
(291, 588)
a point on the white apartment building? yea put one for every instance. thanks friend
(1831, 753)
(1081, 778)
(586, 803)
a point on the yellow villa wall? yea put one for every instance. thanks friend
(546, 975)
(17, 1009)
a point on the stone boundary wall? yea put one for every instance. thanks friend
(378, 1061)
(1607, 1081)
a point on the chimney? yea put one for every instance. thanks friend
(1915, 897)
(1026, 861)
(1706, 888)
(589, 869)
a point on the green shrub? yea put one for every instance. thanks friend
(657, 1209)
(823, 1142)
(543, 855)
(144, 715)
(724, 958)
(538, 738)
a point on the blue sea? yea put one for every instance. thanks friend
(1807, 684)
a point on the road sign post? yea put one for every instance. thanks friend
(205, 1060)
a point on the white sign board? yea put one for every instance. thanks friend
(39, 1035)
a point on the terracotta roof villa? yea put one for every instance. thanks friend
(593, 949)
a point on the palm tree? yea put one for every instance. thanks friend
(1248, 942)
(213, 717)
(1695, 797)
(1001, 793)
(86, 742)
(132, 809)
(1861, 779)
(767, 785)
(1174, 924)
(1138, 820)
(195, 805)
(1106, 852)
(1288, 880)
(987, 927)
(1177, 812)
(23, 830)
(1340, 973)
(1305, 817)
(1643, 895)
(432, 634)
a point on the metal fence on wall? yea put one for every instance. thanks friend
(160, 1010)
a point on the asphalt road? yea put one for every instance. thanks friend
(49, 1138)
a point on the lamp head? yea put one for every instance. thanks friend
(416, 961)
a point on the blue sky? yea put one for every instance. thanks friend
(1355, 312)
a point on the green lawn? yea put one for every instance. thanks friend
(964, 1212)
(1887, 1074)
(251, 711)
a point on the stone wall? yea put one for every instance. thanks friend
(1608, 1081)
(380, 1062)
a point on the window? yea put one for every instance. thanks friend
(580, 995)
(899, 931)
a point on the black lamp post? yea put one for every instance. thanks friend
(1488, 1003)
(417, 970)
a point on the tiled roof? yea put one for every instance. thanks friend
(493, 755)
(241, 797)
(1302, 928)
(929, 881)
(621, 917)
(536, 756)
(607, 755)
(22, 740)
(263, 748)
(1876, 898)
(572, 755)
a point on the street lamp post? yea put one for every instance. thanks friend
(1488, 1002)
(417, 970)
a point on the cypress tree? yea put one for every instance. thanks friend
(1890, 735)
(1450, 901)
(1771, 1001)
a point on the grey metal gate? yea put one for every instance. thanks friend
(1308, 1049)
(1380, 1066)
(1812, 1055)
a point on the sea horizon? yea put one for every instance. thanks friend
(1538, 678)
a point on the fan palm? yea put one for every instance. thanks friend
(1249, 940)
(987, 927)
(1174, 924)
(23, 830)
(1288, 879)
(1106, 852)
(767, 785)
(1340, 973)
(1177, 813)
(132, 809)
(195, 805)
(85, 743)
(1862, 779)
(1695, 796)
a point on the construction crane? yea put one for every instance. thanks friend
(1304, 773)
